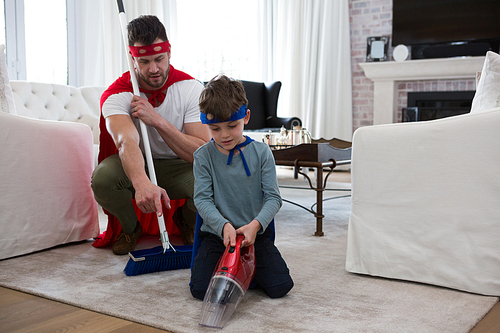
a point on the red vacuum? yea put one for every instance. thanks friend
(230, 281)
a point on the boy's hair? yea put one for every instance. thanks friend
(145, 30)
(222, 96)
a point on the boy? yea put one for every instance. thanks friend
(236, 191)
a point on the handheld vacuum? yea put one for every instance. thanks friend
(232, 277)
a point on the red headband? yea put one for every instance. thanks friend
(147, 50)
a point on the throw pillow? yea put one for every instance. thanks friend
(6, 98)
(488, 89)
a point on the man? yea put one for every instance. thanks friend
(168, 105)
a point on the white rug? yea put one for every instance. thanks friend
(325, 298)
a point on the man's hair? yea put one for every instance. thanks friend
(222, 96)
(145, 30)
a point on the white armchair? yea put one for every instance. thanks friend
(426, 197)
(46, 199)
(45, 165)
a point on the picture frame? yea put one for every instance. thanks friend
(376, 48)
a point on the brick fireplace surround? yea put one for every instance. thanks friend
(374, 18)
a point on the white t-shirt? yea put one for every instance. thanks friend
(179, 107)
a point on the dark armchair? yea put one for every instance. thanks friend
(263, 105)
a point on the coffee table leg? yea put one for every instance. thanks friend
(319, 202)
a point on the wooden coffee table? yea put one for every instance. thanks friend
(319, 156)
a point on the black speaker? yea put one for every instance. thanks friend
(452, 50)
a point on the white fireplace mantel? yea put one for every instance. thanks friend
(386, 75)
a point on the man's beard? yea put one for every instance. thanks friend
(155, 84)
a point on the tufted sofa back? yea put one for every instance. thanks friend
(58, 102)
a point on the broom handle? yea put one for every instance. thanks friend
(147, 148)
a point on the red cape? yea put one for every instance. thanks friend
(107, 148)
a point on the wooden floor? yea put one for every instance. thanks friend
(21, 312)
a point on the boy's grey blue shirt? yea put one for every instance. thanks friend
(224, 193)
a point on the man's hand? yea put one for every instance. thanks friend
(250, 232)
(229, 235)
(143, 110)
(183, 143)
(148, 198)
(147, 195)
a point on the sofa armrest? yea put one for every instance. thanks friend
(45, 184)
(425, 202)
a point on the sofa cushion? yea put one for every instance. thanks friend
(488, 89)
(49, 101)
(6, 99)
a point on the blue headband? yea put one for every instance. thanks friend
(239, 114)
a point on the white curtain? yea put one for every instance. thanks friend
(102, 51)
(310, 46)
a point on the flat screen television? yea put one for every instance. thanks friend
(444, 28)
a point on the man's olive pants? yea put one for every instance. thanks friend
(114, 191)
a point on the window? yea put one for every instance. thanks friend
(218, 37)
(2, 23)
(46, 41)
(36, 40)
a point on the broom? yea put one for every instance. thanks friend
(164, 257)
(155, 260)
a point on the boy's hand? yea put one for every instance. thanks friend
(229, 235)
(250, 232)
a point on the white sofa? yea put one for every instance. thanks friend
(47, 157)
(59, 102)
(426, 197)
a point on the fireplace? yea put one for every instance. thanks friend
(423, 106)
(386, 76)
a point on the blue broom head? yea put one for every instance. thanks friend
(154, 260)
